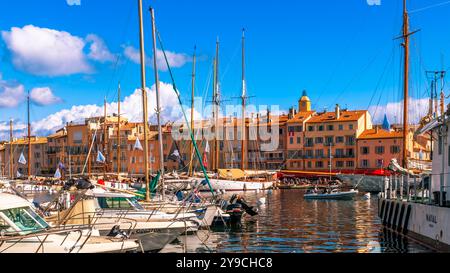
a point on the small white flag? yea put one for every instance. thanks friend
(58, 174)
(207, 147)
(101, 158)
(22, 159)
(138, 145)
(176, 153)
(18, 174)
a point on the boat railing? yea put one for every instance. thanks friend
(18, 239)
(416, 189)
(92, 222)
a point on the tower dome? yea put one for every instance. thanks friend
(304, 104)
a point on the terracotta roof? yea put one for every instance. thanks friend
(301, 117)
(151, 136)
(381, 134)
(34, 140)
(57, 134)
(331, 116)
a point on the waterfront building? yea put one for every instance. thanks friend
(3, 170)
(378, 146)
(57, 151)
(38, 159)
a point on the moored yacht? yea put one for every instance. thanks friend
(22, 230)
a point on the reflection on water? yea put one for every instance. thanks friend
(289, 224)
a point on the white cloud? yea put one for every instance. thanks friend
(73, 2)
(131, 109)
(11, 94)
(394, 110)
(98, 49)
(44, 96)
(133, 54)
(176, 60)
(46, 52)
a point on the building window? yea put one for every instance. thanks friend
(291, 140)
(341, 127)
(340, 139)
(365, 163)
(340, 164)
(329, 140)
(350, 140)
(379, 150)
(320, 129)
(330, 128)
(319, 164)
(380, 163)
(309, 164)
(351, 153)
(319, 153)
(350, 164)
(299, 140)
(365, 150)
(311, 128)
(319, 140)
(395, 149)
(350, 126)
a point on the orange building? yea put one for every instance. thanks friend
(38, 160)
(57, 150)
(377, 147)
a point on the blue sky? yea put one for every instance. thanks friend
(340, 51)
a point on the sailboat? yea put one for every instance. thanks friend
(235, 179)
(374, 181)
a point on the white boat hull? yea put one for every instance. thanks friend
(229, 185)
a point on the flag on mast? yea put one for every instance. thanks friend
(207, 149)
(22, 159)
(58, 174)
(175, 156)
(138, 145)
(18, 174)
(386, 123)
(101, 158)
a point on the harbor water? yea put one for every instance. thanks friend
(289, 224)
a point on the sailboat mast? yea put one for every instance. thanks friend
(11, 159)
(244, 101)
(192, 112)
(105, 136)
(89, 155)
(405, 83)
(144, 101)
(119, 157)
(29, 136)
(158, 102)
(216, 108)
